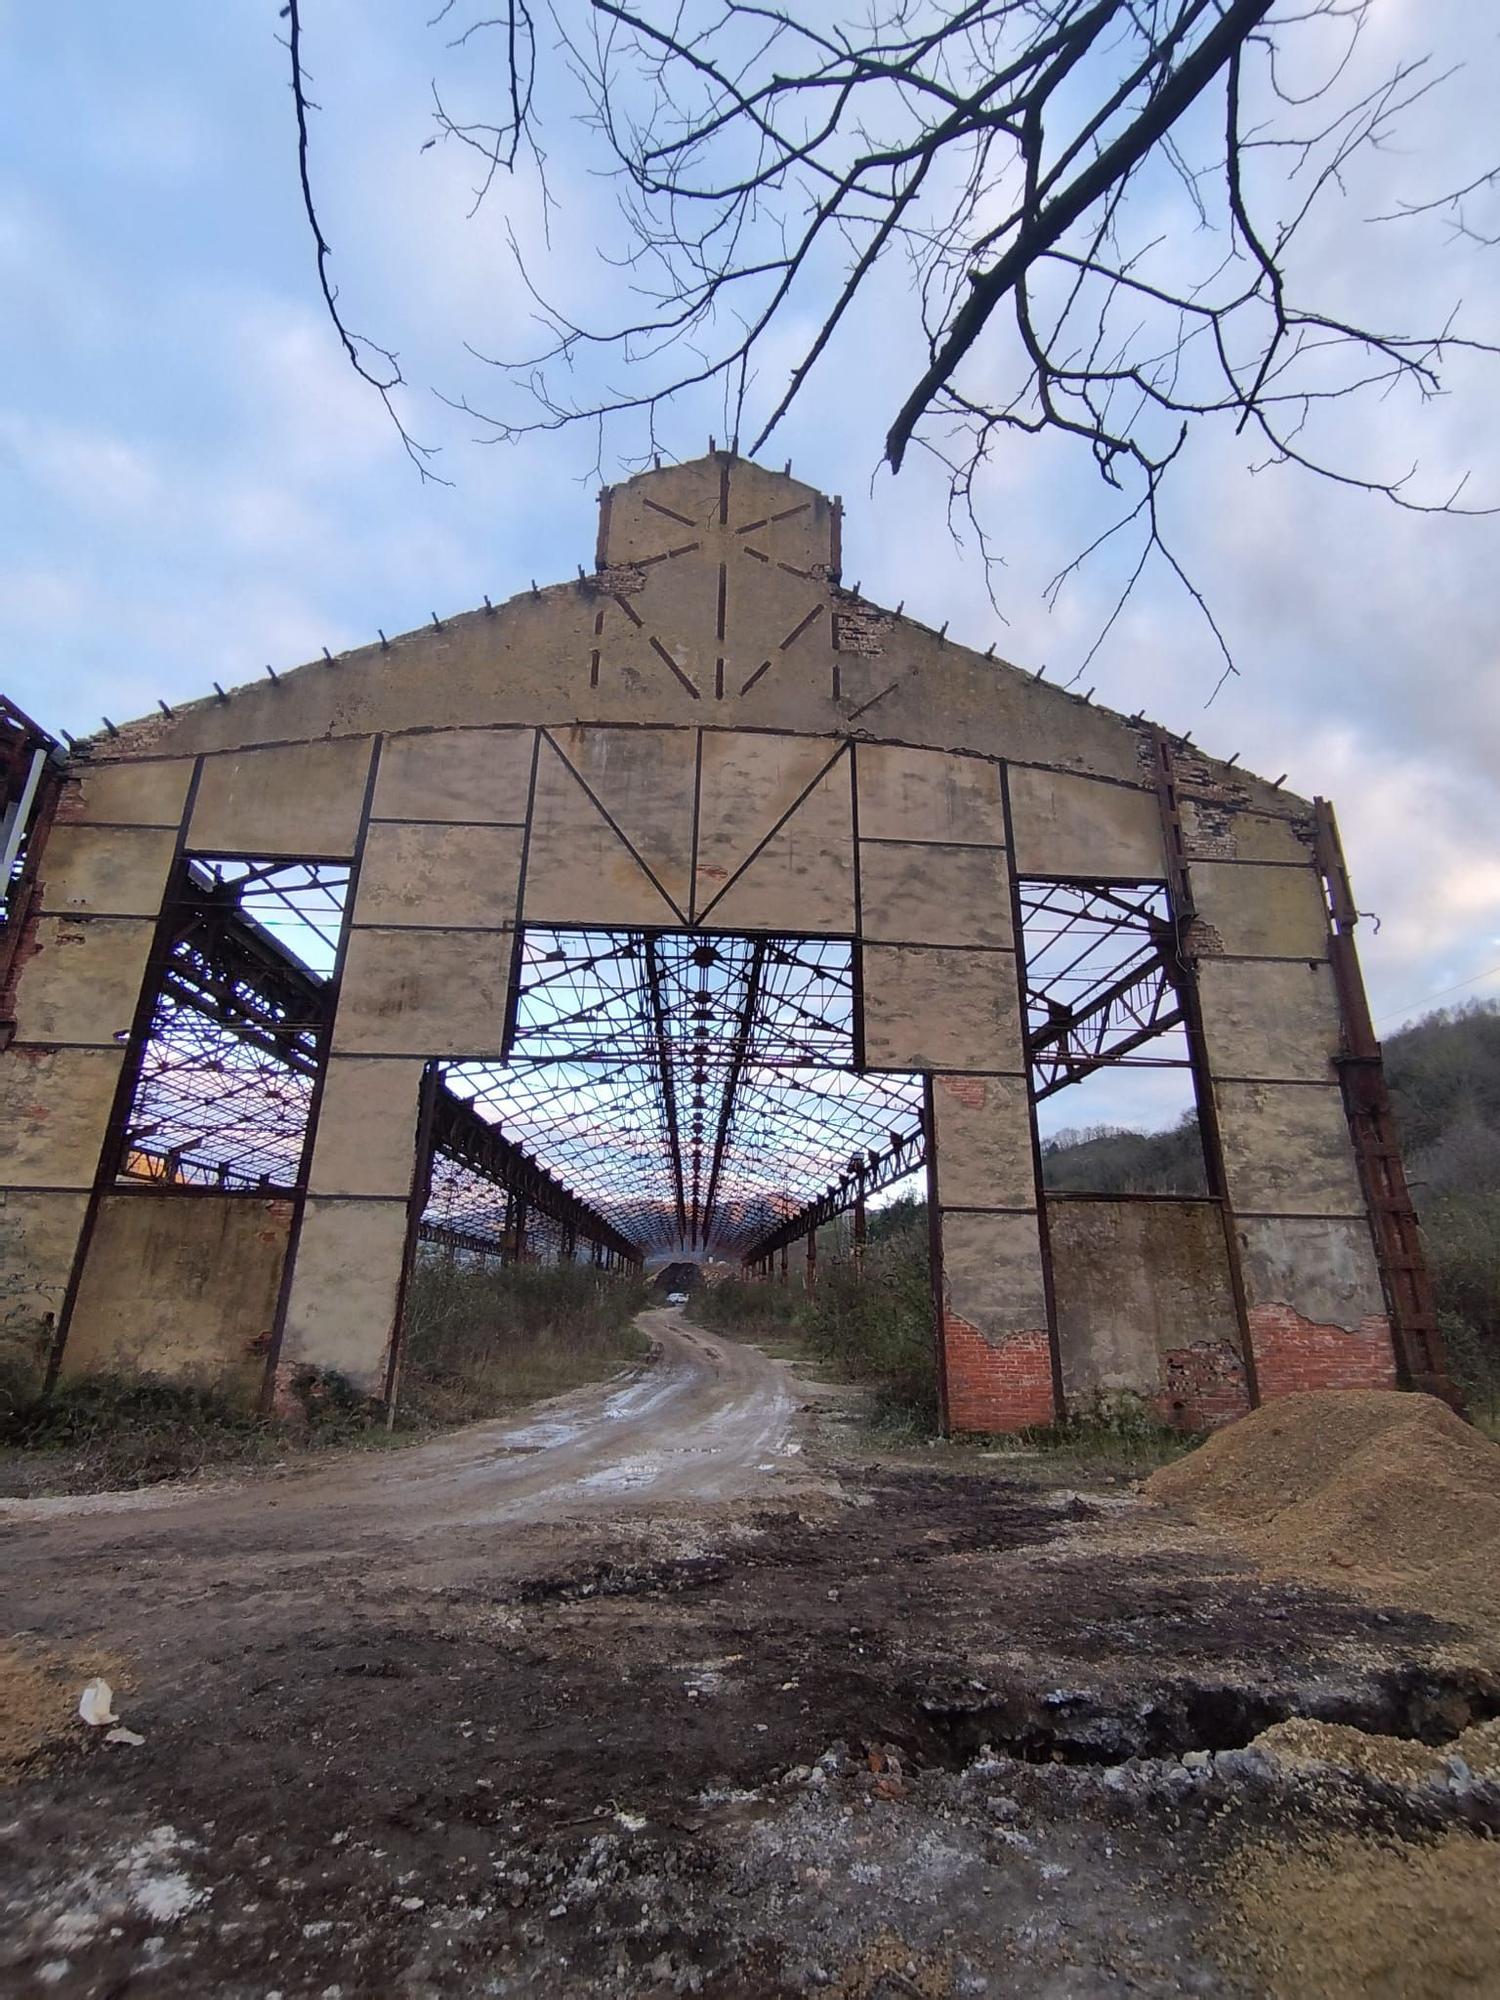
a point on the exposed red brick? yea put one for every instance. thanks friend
(1000, 1385)
(1203, 1386)
(1293, 1353)
(971, 1091)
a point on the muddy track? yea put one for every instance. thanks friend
(670, 1690)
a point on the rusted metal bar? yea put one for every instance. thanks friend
(31, 775)
(463, 1135)
(1421, 1359)
(668, 1092)
(741, 1046)
(903, 1156)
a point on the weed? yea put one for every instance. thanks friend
(482, 1337)
(869, 1320)
(105, 1431)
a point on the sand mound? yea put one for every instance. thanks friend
(1354, 1919)
(1366, 1485)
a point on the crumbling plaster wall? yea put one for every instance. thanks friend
(707, 728)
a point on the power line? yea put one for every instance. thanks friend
(1441, 993)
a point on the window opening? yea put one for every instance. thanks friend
(239, 1025)
(1107, 1040)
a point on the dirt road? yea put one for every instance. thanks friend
(676, 1687)
(704, 1420)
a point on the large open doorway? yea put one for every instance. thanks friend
(665, 1099)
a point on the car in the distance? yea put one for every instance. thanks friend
(676, 1298)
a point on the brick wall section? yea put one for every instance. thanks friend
(1203, 1387)
(996, 1386)
(1293, 1353)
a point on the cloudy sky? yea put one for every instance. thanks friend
(195, 484)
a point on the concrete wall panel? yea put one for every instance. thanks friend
(54, 1107)
(803, 878)
(992, 1273)
(1261, 912)
(423, 993)
(83, 979)
(343, 1300)
(367, 1127)
(907, 794)
(480, 776)
(106, 871)
(934, 895)
(441, 874)
(139, 792)
(1287, 1149)
(1274, 1020)
(927, 1008)
(1078, 826)
(181, 1286)
(983, 1142)
(789, 519)
(749, 783)
(646, 781)
(653, 513)
(578, 869)
(38, 1238)
(297, 799)
(1324, 1270)
(1134, 1283)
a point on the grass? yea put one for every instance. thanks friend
(481, 1340)
(1095, 1444)
(104, 1433)
(867, 1322)
(871, 1323)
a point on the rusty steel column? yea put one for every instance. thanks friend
(810, 1281)
(1421, 1361)
(421, 1190)
(860, 1229)
(520, 1215)
(786, 1251)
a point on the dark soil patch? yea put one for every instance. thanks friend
(720, 1756)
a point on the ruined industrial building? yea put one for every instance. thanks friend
(673, 911)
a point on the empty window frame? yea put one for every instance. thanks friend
(1107, 1039)
(238, 1028)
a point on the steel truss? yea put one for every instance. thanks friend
(485, 1194)
(239, 1026)
(664, 1090)
(697, 1090)
(1103, 982)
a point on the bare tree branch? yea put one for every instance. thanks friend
(1087, 218)
(386, 377)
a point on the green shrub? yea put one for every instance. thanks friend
(870, 1320)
